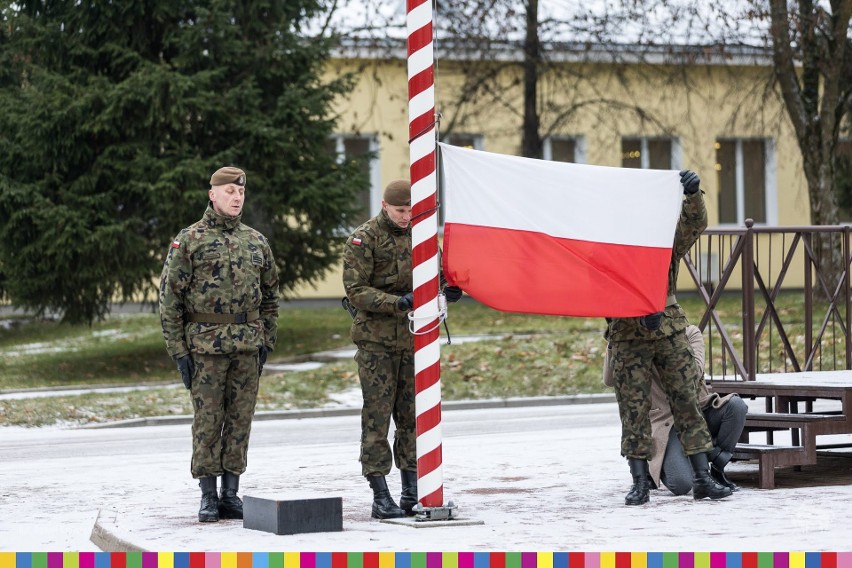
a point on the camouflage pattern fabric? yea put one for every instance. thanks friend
(224, 393)
(218, 265)
(635, 349)
(387, 385)
(376, 272)
(678, 373)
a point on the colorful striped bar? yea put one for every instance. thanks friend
(426, 559)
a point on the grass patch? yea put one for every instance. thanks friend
(536, 356)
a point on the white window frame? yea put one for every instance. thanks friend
(644, 154)
(375, 173)
(579, 147)
(770, 190)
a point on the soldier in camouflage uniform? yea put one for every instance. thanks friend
(378, 282)
(219, 311)
(659, 340)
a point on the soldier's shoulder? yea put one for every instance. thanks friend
(253, 233)
(365, 233)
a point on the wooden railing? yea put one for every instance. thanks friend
(757, 264)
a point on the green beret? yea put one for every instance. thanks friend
(226, 175)
(398, 192)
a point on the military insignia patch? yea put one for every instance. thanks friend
(256, 259)
(356, 241)
(175, 244)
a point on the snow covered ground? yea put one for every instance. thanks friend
(533, 477)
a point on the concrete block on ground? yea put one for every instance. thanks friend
(293, 516)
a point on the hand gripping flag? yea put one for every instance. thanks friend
(541, 237)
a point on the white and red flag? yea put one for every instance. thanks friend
(542, 237)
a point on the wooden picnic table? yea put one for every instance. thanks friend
(789, 406)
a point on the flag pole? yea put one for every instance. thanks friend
(426, 317)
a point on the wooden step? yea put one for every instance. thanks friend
(784, 421)
(786, 418)
(769, 457)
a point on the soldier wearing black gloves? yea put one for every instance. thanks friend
(659, 340)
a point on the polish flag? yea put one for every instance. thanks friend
(542, 237)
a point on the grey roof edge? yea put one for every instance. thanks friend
(565, 52)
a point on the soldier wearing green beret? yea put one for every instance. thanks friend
(219, 312)
(377, 277)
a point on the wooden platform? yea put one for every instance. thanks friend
(789, 401)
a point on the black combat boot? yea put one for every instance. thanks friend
(717, 470)
(408, 499)
(209, 511)
(703, 485)
(383, 504)
(639, 493)
(230, 506)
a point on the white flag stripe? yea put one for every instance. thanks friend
(572, 201)
(428, 398)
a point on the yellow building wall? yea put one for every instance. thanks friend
(719, 102)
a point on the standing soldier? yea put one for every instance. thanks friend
(378, 282)
(659, 340)
(219, 311)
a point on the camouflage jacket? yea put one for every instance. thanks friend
(376, 272)
(220, 266)
(692, 222)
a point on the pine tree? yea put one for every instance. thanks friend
(113, 115)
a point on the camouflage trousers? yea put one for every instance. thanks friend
(387, 385)
(631, 361)
(224, 394)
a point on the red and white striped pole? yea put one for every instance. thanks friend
(424, 245)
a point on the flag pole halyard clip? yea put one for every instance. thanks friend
(441, 316)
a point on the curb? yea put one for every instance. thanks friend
(356, 410)
(108, 542)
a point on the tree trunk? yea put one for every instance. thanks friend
(531, 144)
(814, 120)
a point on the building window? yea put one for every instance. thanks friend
(650, 153)
(364, 149)
(462, 140)
(746, 175)
(565, 149)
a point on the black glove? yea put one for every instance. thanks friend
(453, 293)
(186, 368)
(652, 321)
(262, 353)
(690, 181)
(406, 302)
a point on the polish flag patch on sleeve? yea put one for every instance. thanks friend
(175, 244)
(356, 241)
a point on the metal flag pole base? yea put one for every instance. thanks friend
(449, 512)
(427, 517)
